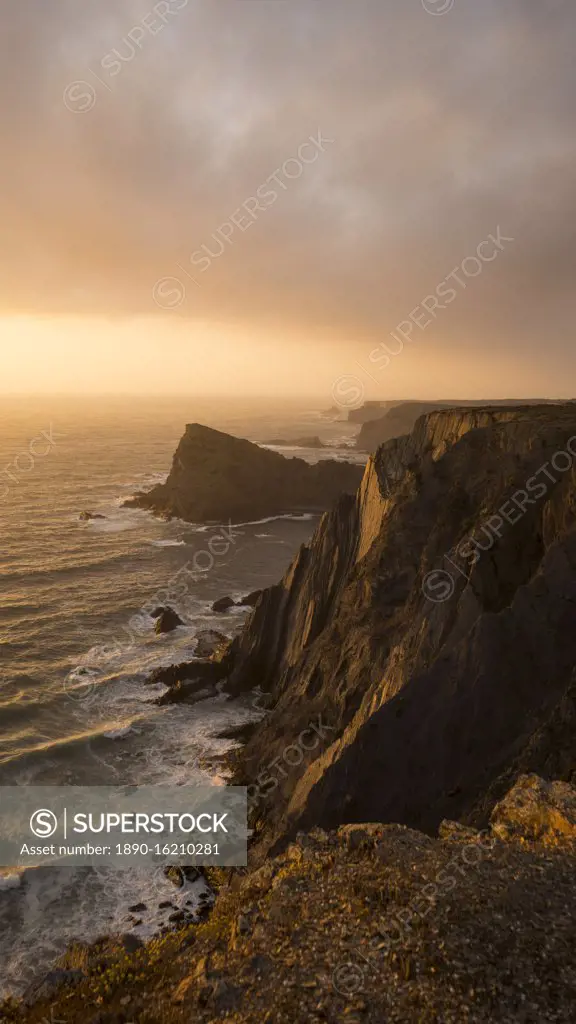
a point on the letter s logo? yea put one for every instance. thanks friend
(43, 823)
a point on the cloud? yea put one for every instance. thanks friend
(132, 132)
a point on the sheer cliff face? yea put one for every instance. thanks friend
(402, 417)
(430, 623)
(219, 478)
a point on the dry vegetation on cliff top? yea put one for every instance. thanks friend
(367, 924)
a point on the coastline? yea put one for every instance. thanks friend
(110, 653)
(316, 741)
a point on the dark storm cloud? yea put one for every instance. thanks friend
(132, 131)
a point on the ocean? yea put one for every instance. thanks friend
(77, 639)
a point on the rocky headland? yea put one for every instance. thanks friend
(219, 478)
(427, 624)
(411, 775)
(369, 411)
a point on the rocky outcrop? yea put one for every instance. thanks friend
(223, 604)
(428, 623)
(367, 923)
(536, 810)
(210, 643)
(167, 620)
(205, 670)
(219, 478)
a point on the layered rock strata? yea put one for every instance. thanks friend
(430, 623)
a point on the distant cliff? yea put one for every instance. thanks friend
(218, 478)
(396, 421)
(400, 417)
(430, 625)
(368, 411)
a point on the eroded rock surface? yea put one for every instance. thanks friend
(430, 624)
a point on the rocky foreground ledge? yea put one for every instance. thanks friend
(219, 478)
(368, 923)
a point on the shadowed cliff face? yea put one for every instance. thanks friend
(430, 623)
(219, 478)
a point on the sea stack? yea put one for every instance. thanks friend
(219, 478)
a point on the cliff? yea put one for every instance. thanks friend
(397, 421)
(428, 628)
(219, 478)
(368, 411)
(400, 418)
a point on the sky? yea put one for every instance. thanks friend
(368, 199)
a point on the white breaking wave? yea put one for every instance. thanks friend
(119, 733)
(168, 543)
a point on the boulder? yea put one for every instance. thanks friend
(203, 670)
(167, 621)
(223, 604)
(179, 874)
(85, 517)
(210, 642)
(536, 810)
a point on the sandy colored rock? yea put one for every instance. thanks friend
(536, 809)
